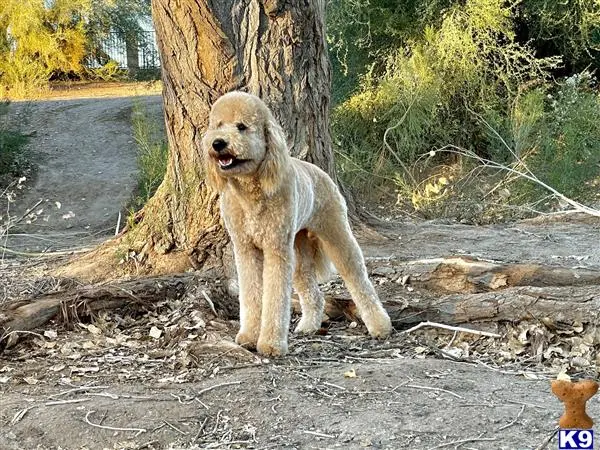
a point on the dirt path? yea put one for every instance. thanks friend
(295, 404)
(568, 241)
(84, 151)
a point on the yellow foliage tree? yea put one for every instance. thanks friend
(39, 38)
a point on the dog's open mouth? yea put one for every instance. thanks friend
(227, 162)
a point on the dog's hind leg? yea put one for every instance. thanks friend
(342, 249)
(312, 301)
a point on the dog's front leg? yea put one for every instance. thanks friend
(276, 303)
(249, 266)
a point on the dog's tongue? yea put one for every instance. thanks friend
(225, 162)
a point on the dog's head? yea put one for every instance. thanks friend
(244, 140)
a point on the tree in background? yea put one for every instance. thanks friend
(363, 32)
(567, 28)
(38, 39)
(41, 39)
(122, 17)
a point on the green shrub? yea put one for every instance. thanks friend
(107, 72)
(563, 148)
(13, 161)
(470, 63)
(152, 154)
(38, 39)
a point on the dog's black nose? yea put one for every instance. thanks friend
(219, 144)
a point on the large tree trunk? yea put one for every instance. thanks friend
(275, 49)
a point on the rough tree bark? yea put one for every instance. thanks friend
(275, 49)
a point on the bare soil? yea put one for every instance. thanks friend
(84, 150)
(170, 377)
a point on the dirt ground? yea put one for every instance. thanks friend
(171, 378)
(84, 151)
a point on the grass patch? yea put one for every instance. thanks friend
(152, 154)
(13, 157)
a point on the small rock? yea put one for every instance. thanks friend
(383, 271)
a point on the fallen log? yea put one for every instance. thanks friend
(549, 305)
(449, 290)
(468, 275)
(84, 302)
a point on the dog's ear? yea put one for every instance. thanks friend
(273, 168)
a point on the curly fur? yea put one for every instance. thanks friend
(287, 221)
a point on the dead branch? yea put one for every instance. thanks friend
(462, 274)
(85, 302)
(450, 291)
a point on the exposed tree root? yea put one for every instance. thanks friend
(451, 290)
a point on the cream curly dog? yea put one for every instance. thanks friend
(287, 220)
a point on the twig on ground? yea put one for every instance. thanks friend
(106, 427)
(202, 403)
(170, 425)
(230, 383)
(25, 214)
(341, 388)
(511, 423)
(158, 427)
(463, 441)
(200, 429)
(77, 389)
(64, 402)
(451, 328)
(228, 443)
(429, 388)
(544, 444)
(210, 302)
(182, 402)
(103, 394)
(20, 414)
(10, 333)
(217, 421)
(316, 433)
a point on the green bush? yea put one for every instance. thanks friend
(37, 39)
(471, 62)
(152, 154)
(562, 143)
(13, 161)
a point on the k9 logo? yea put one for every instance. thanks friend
(575, 439)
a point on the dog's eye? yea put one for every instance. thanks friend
(240, 126)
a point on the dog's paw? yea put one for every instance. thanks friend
(307, 326)
(269, 348)
(246, 340)
(380, 326)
